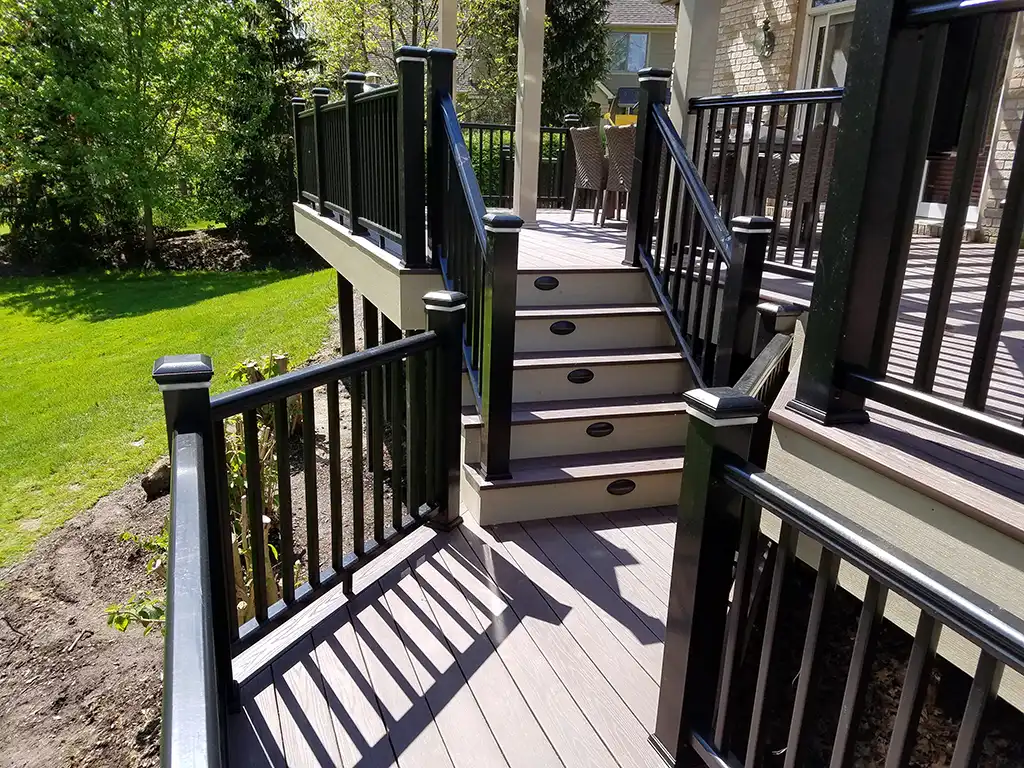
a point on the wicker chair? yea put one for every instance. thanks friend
(590, 167)
(621, 147)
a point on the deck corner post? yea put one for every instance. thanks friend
(446, 316)
(643, 196)
(441, 76)
(354, 82)
(411, 62)
(298, 105)
(707, 539)
(184, 383)
(737, 328)
(346, 316)
(320, 97)
(501, 271)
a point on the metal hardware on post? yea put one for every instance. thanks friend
(446, 316)
(707, 539)
(501, 268)
(411, 62)
(441, 73)
(320, 96)
(298, 105)
(353, 87)
(643, 196)
(741, 295)
(184, 382)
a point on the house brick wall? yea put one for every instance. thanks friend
(738, 69)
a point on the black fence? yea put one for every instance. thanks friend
(706, 279)
(236, 563)
(771, 154)
(492, 151)
(362, 159)
(707, 710)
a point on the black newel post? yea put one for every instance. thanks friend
(501, 268)
(643, 195)
(184, 382)
(411, 63)
(441, 74)
(737, 329)
(298, 105)
(353, 87)
(320, 96)
(569, 160)
(707, 538)
(446, 316)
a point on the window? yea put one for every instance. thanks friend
(627, 51)
(830, 24)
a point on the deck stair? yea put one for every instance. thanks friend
(598, 422)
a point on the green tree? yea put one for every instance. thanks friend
(575, 56)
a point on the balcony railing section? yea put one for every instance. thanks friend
(492, 151)
(771, 154)
(706, 278)
(231, 465)
(711, 713)
(377, 128)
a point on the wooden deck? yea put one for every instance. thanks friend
(525, 645)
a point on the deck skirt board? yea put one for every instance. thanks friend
(485, 647)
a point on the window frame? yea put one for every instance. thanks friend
(612, 70)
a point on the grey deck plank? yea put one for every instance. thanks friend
(638, 525)
(628, 552)
(306, 726)
(619, 729)
(568, 730)
(407, 717)
(462, 725)
(519, 735)
(637, 688)
(612, 607)
(665, 525)
(254, 733)
(358, 727)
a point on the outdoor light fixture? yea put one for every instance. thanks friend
(764, 40)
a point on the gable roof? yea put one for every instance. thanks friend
(640, 13)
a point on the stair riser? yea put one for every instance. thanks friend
(579, 497)
(582, 288)
(615, 332)
(623, 380)
(567, 438)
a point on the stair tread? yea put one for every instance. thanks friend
(587, 310)
(598, 408)
(580, 268)
(558, 358)
(588, 466)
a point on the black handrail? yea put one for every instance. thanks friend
(464, 166)
(767, 98)
(766, 368)
(192, 710)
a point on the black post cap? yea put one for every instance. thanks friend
(354, 77)
(752, 225)
(182, 370)
(298, 101)
(502, 222)
(445, 300)
(441, 53)
(722, 406)
(654, 73)
(321, 91)
(411, 52)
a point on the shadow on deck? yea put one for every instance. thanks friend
(524, 645)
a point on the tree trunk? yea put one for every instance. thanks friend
(147, 225)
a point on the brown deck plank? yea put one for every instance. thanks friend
(406, 714)
(462, 726)
(306, 726)
(628, 552)
(638, 526)
(519, 735)
(619, 729)
(568, 730)
(637, 688)
(356, 718)
(255, 731)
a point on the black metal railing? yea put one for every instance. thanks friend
(362, 160)
(771, 154)
(477, 253)
(706, 279)
(859, 300)
(707, 709)
(236, 564)
(492, 151)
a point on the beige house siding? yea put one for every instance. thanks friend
(738, 69)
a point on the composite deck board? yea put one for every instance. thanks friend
(503, 647)
(630, 553)
(638, 527)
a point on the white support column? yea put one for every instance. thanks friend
(447, 14)
(694, 66)
(528, 96)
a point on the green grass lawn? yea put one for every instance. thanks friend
(79, 413)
